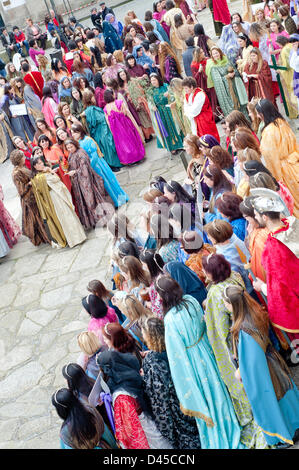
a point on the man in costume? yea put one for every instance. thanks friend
(198, 109)
(34, 79)
(280, 261)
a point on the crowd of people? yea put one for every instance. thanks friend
(192, 346)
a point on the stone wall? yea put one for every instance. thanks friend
(36, 9)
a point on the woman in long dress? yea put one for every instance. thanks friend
(20, 125)
(55, 205)
(134, 91)
(287, 76)
(267, 380)
(99, 165)
(199, 387)
(92, 201)
(258, 74)
(32, 223)
(198, 68)
(218, 323)
(8, 226)
(135, 428)
(165, 128)
(6, 136)
(111, 38)
(229, 87)
(179, 429)
(280, 149)
(99, 130)
(220, 13)
(127, 136)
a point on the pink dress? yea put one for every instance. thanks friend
(128, 143)
(158, 16)
(96, 324)
(49, 110)
(8, 225)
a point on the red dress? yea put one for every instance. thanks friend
(282, 270)
(201, 80)
(205, 123)
(127, 424)
(221, 12)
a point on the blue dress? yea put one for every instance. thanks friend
(101, 167)
(239, 227)
(278, 419)
(198, 384)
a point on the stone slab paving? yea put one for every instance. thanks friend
(40, 302)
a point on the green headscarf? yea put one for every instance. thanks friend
(210, 64)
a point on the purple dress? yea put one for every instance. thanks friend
(128, 143)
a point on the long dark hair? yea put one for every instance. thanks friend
(77, 380)
(268, 111)
(153, 261)
(33, 162)
(170, 292)
(120, 81)
(84, 423)
(181, 195)
(98, 80)
(221, 183)
(75, 102)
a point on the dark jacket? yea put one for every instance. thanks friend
(97, 20)
(4, 40)
(106, 11)
(187, 59)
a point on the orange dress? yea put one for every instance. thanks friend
(194, 262)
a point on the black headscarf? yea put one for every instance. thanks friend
(122, 372)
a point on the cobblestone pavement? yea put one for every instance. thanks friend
(40, 305)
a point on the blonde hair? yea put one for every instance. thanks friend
(248, 154)
(133, 308)
(88, 342)
(153, 330)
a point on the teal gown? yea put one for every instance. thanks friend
(101, 167)
(100, 132)
(198, 384)
(164, 126)
(278, 419)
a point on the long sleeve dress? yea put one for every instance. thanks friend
(92, 202)
(180, 430)
(128, 142)
(32, 223)
(100, 132)
(101, 167)
(55, 206)
(218, 323)
(199, 387)
(165, 128)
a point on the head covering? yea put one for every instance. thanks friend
(187, 279)
(267, 204)
(265, 193)
(196, 244)
(114, 23)
(64, 92)
(208, 141)
(144, 59)
(122, 370)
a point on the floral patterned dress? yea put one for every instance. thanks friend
(180, 430)
(170, 252)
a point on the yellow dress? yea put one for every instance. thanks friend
(280, 150)
(287, 81)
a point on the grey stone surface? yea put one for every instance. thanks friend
(40, 300)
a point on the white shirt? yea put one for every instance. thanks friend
(193, 109)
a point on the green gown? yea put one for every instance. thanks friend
(100, 132)
(165, 128)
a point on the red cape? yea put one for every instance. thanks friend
(221, 12)
(205, 120)
(282, 268)
(36, 81)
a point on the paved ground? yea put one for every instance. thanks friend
(40, 303)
